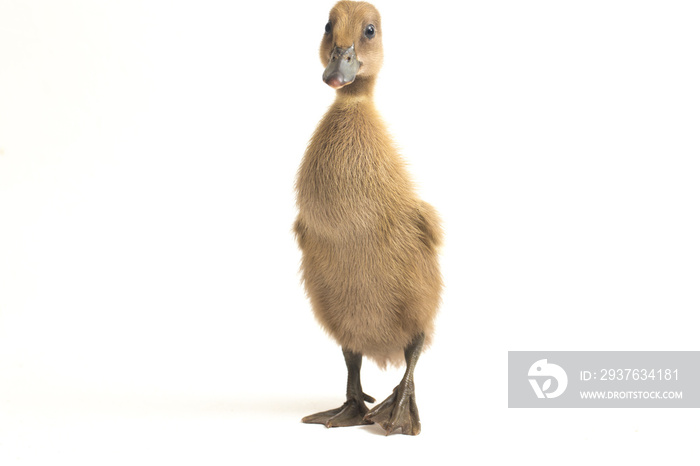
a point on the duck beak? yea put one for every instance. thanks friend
(342, 68)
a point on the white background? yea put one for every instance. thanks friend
(150, 304)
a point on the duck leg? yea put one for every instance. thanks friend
(399, 410)
(353, 411)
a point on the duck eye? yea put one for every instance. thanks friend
(328, 27)
(369, 31)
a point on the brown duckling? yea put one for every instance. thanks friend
(369, 244)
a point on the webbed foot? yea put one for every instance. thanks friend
(398, 411)
(352, 413)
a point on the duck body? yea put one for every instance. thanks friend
(369, 244)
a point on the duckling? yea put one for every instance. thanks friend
(369, 244)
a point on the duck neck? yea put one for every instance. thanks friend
(362, 87)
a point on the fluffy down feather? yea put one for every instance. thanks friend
(369, 265)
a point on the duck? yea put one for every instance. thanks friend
(369, 244)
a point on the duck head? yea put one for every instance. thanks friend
(352, 43)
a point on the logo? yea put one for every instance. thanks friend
(542, 370)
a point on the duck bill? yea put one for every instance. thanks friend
(342, 67)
